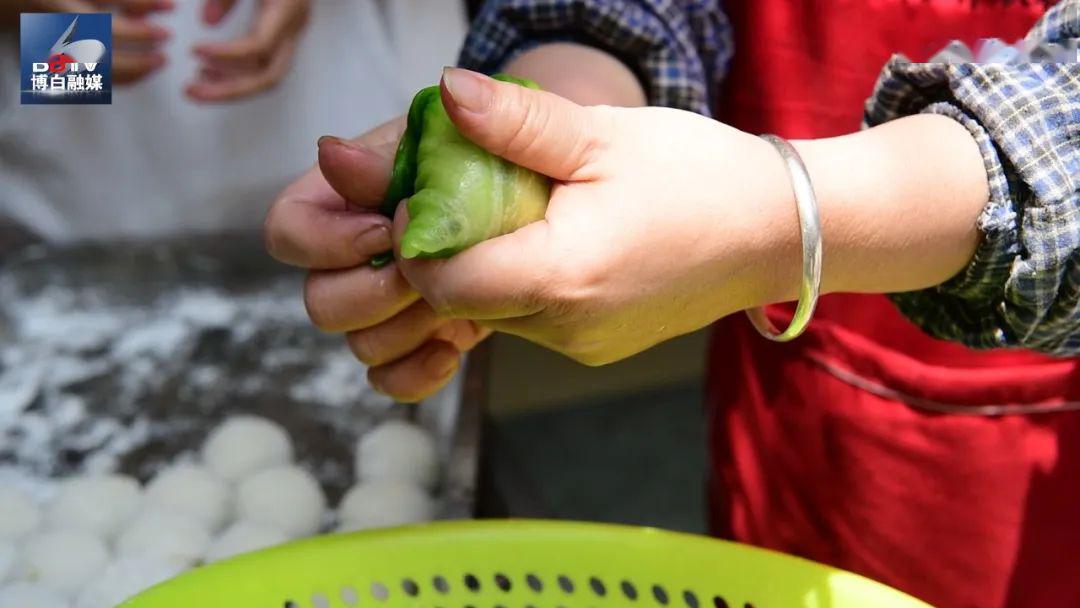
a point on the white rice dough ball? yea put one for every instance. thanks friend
(243, 537)
(193, 491)
(19, 515)
(287, 499)
(31, 595)
(63, 559)
(125, 578)
(245, 445)
(7, 559)
(174, 537)
(382, 504)
(100, 504)
(398, 450)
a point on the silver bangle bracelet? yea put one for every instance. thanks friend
(810, 226)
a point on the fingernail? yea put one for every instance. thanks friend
(331, 139)
(373, 240)
(470, 90)
(439, 363)
(374, 383)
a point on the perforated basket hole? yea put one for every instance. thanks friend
(593, 586)
(534, 582)
(440, 584)
(566, 584)
(660, 594)
(349, 596)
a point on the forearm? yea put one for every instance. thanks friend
(580, 73)
(898, 205)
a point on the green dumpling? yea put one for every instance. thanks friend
(459, 194)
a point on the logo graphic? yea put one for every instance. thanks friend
(65, 58)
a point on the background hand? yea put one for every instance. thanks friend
(136, 51)
(326, 221)
(254, 62)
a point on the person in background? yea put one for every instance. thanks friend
(216, 106)
(928, 439)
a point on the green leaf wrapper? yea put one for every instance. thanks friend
(459, 194)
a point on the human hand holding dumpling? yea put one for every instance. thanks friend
(328, 221)
(628, 246)
(458, 193)
(659, 222)
(654, 227)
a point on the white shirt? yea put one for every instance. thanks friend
(155, 163)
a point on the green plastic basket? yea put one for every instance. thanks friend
(517, 564)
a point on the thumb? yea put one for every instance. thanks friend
(535, 129)
(499, 278)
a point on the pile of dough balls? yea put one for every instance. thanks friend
(397, 466)
(104, 538)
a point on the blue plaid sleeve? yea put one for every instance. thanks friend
(1022, 288)
(678, 48)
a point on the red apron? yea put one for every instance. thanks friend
(949, 473)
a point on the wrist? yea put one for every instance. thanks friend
(760, 241)
(898, 204)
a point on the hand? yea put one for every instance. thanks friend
(254, 62)
(662, 222)
(136, 51)
(325, 221)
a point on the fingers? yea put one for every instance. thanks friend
(214, 11)
(419, 374)
(141, 7)
(255, 62)
(239, 84)
(397, 336)
(535, 129)
(138, 32)
(498, 278)
(274, 22)
(137, 44)
(312, 236)
(408, 330)
(462, 333)
(358, 172)
(354, 298)
(311, 225)
(129, 67)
